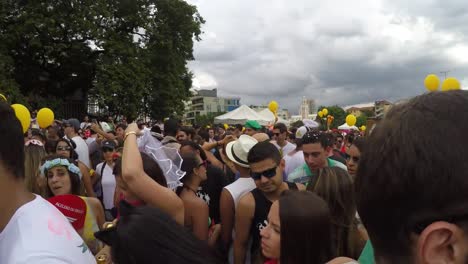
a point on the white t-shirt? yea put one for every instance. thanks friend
(39, 233)
(82, 150)
(286, 149)
(108, 185)
(293, 161)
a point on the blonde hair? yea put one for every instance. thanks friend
(33, 155)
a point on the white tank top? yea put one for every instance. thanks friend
(239, 188)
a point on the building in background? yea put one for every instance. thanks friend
(307, 107)
(376, 109)
(204, 102)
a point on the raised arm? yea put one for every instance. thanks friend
(142, 185)
(86, 179)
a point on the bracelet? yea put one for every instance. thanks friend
(128, 134)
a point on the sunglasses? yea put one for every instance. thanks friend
(204, 164)
(270, 173)
(276, 134)
(64, 148)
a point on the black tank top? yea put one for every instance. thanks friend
(260, 219)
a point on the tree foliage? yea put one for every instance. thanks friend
(339, 116)
(130, 55)
(207, 120)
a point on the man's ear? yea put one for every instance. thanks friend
(282, 164)
(441, 242)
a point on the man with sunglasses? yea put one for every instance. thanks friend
(266, 167)
(316, 148)
(280, 135)
(411, 186)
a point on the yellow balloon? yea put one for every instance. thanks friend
(320, 114)
(3, 97)
(450, 84)
(325, 111)
(23, 115)
(432, 82)
(45, 117)
(273, 106)
(226, 126)
(350, 120)
(363, 128)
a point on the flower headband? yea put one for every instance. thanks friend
(61, 162)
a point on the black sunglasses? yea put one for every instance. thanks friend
(276, 134)
(64, 148)
(270, 173)
(107, 149)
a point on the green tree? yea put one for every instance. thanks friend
(129, 55)
(207, 120)
(339, 116)
(361, 120)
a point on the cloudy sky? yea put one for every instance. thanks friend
(335, 51)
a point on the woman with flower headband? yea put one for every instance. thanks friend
(64, 186)
(66, 149)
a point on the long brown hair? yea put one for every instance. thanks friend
(305, 228)
(33, 155)
(335, 186)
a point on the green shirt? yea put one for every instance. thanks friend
(303, 173)
(367, 255)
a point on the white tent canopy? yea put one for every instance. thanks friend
(346, 127)
(271, 117)
(240, 116)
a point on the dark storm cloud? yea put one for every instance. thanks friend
(282, 50)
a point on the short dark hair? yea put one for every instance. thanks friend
(189, 131)
(170, 127)
(145, 233)
(204, 134)
(122, 126)
(239, 127)
(194, 146)
(282, 127)
(413, 171)
(313, 137)
(150, 166)
(11, 142)
(262, 151)
(302, 214)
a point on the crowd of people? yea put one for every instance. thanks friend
(87, 192)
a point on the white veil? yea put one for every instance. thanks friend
(167, 158)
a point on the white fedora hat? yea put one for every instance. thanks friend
(237, 151)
